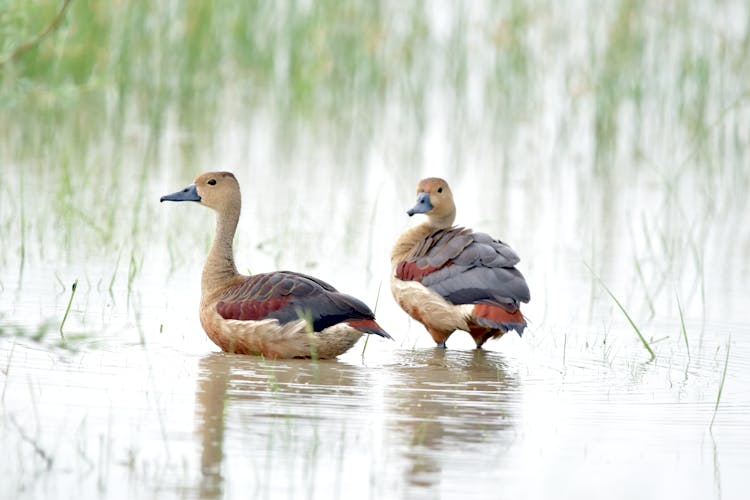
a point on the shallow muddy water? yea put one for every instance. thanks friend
(608, 143)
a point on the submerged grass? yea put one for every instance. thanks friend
(34, 443)
(40, 332)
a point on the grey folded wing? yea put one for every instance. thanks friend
(469, 268)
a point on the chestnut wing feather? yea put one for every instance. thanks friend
(288, 296)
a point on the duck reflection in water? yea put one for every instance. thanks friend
(265, 411)
(449, 406)
(424, 417)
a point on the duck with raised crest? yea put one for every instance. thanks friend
(279, 314)
(450, 278)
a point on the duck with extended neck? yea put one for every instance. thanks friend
(279, 314)
(450, 278)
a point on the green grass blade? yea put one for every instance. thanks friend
(622, 308)
(375, 309)
(682, 322)
(367, 339)
(377, 297)
(642, 279)
(30, 44)
(67, 309)
(306, 315)
(721, 385)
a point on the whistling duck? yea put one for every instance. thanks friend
(277, 315)
(450, 278)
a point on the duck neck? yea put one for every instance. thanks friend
(219, 267)
(442, 222)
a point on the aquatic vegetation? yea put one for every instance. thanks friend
(67, 309)
(682, 325)
(721, 384)
(37, 334)
(625, 312)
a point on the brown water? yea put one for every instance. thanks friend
(600, 141)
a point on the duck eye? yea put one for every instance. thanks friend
(212, 182)
(440, 189)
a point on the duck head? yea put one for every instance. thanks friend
(435, 200)
(217, 190)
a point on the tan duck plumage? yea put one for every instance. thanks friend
(277, 315)
(450, 278)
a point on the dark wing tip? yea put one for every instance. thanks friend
(369, 326)
(504, 326)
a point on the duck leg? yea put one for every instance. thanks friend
(439, 336)
(482, 334)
